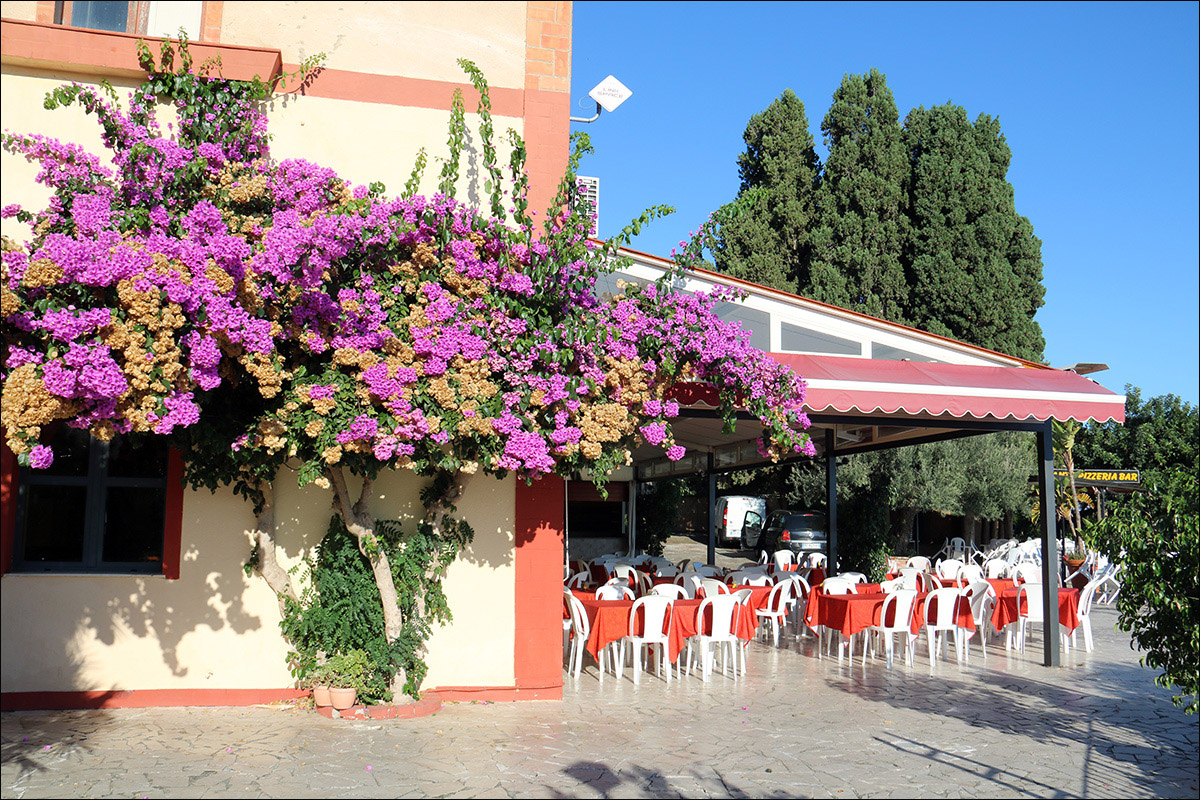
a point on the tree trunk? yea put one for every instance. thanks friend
(264, 539)
(361, 524)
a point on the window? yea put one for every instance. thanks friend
(753, 320)
(102, 507)
(143, 18)
(109, 15)
(885, 352)
(795, 339)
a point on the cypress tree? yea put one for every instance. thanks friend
(974, 265)
(857, 242)
(764, 235)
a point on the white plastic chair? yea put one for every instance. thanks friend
(721, 635)
(995, 568)
(817, 560)
(853, 577)
(690, 581)
(1086, 598)
(970, 573)
(948, 569)
(1032, 613)
(670, 590)
(911, 578)
(709, 571)
(837, 586)
(713, 587)
(579, 580)
(930, 582)
(656, 632)
(940, 618)
(892, 586)
(920, 562)
(746, 577)
(776, 611)
(613, 590)
(899, 605)
(982, 598)
(1031, 573)
(783, 559)
(580, 630)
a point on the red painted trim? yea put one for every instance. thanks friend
(501, 694)
(173, 522)
(539, 525)
(37, 44)
(8, 506)
(144, 698)
(397, 90)
(429, 704)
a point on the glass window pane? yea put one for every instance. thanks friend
(884, 352)
(137, 457)
(753, 320)
(70, 447)
(133, 524)
(795, 339)
(102, 15)
(54, 523)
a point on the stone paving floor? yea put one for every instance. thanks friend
(795, 726)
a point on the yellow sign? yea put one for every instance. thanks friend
(1103, 475)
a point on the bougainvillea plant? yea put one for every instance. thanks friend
(263, 312)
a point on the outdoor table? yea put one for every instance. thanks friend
(609, 621)
(1006, 613)
(852, 613)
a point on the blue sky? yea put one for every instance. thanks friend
(1098, 102)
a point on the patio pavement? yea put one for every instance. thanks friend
(795, 726)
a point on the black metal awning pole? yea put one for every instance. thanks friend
(712, 511)
(831, 567)
(1045, 451)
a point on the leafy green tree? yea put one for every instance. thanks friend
(1160, 435)
(767, 240)
(1156, 537)
(975, 267)
(860, 220)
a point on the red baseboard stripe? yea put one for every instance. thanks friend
(144, 698)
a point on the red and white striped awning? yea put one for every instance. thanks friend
(871, 387)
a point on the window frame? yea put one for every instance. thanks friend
(15, 481)
(136, 17)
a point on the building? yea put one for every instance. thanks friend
(197, 630)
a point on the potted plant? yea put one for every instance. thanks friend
(347, 674)
(318, 680)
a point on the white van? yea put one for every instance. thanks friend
(731, 516)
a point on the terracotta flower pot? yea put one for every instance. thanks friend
(342, 697)
(321, 696)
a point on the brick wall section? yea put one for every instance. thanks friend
(539, 521)
(547, 97)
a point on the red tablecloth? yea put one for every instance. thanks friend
(852, 613)
(1006, 612)
(610, 621)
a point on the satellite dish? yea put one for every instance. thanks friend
(610, 93)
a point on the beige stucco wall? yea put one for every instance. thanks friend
(216, 628)
(417, 40)
(363, 142)
(19, 9)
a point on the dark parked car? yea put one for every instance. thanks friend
(801, 531)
